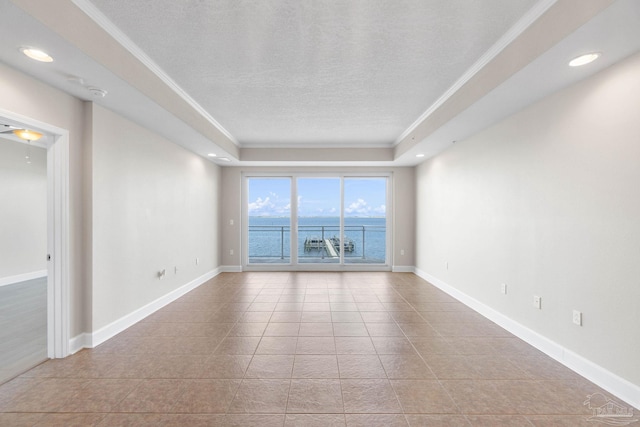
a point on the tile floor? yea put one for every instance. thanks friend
(304, 349)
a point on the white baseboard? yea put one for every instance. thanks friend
(231, 269)
(10, 280)
(114, 328)
(79, 342)
(403, 269)
(598, 375)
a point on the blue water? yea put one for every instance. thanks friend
(269, 237)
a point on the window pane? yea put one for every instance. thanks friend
(318, 220)
(365, 202)
(269, 220)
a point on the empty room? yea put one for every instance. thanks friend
(319, 213)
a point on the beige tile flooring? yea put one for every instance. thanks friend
(304, 349)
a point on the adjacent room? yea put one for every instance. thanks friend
(332, 213)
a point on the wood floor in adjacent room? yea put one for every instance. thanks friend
(304, 349)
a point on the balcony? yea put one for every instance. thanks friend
(320, 244)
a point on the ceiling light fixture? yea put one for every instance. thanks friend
(212, 155)
(420, 155)
(27, 135)
(584, 59)
(36, 54)
(224, 159)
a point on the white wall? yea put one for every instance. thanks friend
(117, 174)
(548, 202)
(23, 217)
(403, 214)
(155, 206)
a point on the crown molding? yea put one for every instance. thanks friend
(514, 32)
(110, 28)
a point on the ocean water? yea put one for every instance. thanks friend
(269, 237)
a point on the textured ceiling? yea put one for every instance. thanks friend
(283, 78)
(291, 72)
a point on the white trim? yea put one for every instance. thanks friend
(11, 280)
(329, 268)
(103, 22)
(325, 144)
(403, 269)
(114, 328)
(231, 269)
(58, 232)
(79, 342)
(600, 376)
(514, 32)
(59, 246)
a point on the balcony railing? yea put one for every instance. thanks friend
(318, 243)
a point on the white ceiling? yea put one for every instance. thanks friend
(312, 73)
(370, 82)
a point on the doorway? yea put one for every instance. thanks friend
(23, 245)
(49, 335)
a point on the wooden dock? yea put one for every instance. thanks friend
(330, 249)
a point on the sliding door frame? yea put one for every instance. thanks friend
(294, 265)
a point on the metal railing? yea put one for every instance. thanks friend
(273, 241)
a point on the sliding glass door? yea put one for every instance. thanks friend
(335, 220)
(365, 220)
(318, 220)
(269, 220)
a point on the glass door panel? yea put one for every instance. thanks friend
(269, 209)
(365, 221)
(318, 220)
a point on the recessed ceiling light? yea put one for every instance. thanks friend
(224, 159)
(420, 155)
(212, 155)
(584, 59)
(36, 54)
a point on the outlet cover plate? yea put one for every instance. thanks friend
(577, 317)
(537, 302)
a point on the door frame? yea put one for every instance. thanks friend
(58, 231)
(295, 266)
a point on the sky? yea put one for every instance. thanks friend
(318, 197)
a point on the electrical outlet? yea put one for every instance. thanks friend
(230, 222)
(230, 251)
(503, 288)
(537, 302)
(401, 251)
(577, 317)
(197, 261)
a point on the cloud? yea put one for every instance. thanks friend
(358, 207)
(382, 209)
(261, 205)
